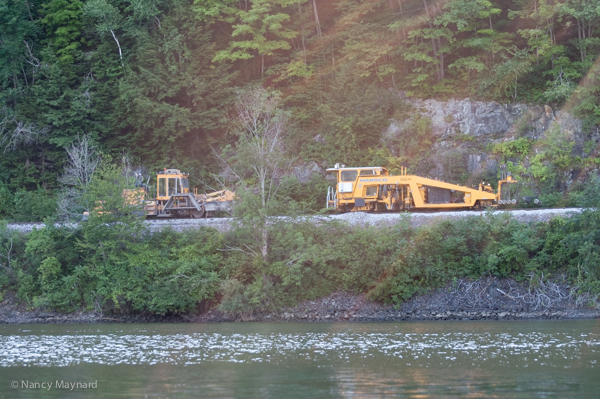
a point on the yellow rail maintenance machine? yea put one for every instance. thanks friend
(174, 198)
(374, 189)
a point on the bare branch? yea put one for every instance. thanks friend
(290, 263)
(15, 133)
(83, 161)
(84, 158)
(505, 294)
(249, 250)
(179, 275)
(8, 266)
(228, 168)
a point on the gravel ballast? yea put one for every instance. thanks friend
(354, 218)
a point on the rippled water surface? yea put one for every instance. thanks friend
(542, 359)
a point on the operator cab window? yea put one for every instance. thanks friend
(162, 187)
(367, 172)
(184, 183)
(349, 175)
(173, 186)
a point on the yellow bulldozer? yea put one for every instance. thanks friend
(374, 189)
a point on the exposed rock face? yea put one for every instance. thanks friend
(305, 172)
(572, 128)
(462, 131)
(473, 118)
(490, 119)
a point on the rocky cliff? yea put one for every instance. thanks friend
(462, 136)
(464, 130)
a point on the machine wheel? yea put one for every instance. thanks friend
(197, 214)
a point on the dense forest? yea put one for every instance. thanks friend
(155, 80)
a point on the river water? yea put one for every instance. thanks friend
(513, 359)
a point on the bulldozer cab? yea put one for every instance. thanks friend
(171, 182)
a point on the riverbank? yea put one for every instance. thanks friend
(493, 266)
(483, 299)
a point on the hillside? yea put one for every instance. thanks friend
(154, 81)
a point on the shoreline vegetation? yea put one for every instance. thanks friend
(493, 267)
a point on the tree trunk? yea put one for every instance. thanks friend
(441, 59)
(28, 10)
(317, 23)
(432, 39)
(264, 247)
(537, 53)
(402, 14)
(25, 76)
(302, 35)
(332, 56)
(119, 46)
(580, 40)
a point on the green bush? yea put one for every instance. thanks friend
(27, 206)
(470, 247)
(12, 248)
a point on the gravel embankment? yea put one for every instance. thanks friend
(483, 299)
(354, 218)
(420, 219)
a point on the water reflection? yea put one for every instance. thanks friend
(426, 349)
(514, 359)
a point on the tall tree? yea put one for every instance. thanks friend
(19, 32)
(62, 19)
(586, 14)
(259, 30)
(260, 127)
(503, 81)
(173, 101)
(108, 19)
